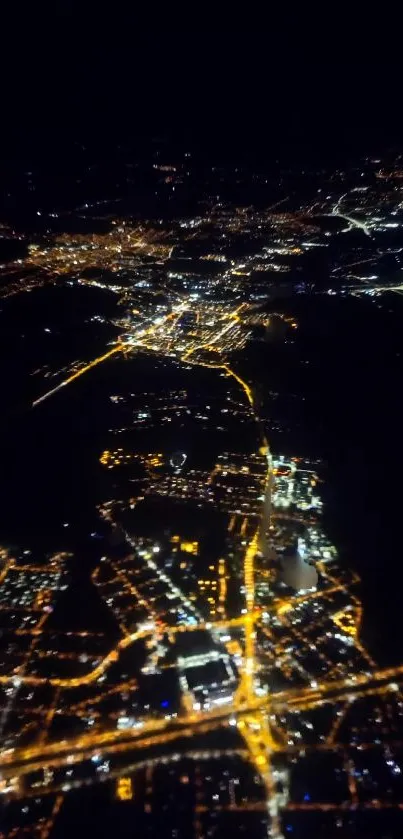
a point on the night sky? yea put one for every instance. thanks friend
(325, 85)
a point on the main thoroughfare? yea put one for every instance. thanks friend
(17, 763)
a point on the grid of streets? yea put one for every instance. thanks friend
(210, 549)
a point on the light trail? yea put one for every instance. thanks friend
(354, 223)
(365, 289)
(257, 735)
(222, 591)
(221, 366)
(256, 732)
(352, 264)
(77, 681)
(18, 762)
(354, 685)
(240, 381)
(130, 685)
(120, 347)
(245, 689)
(74, 376)
(225, 329)
(113, 655)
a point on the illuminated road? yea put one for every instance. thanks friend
(120, 347)
(113, 655)
(152, 733)
(367, 289)
(252, 714)
(138, 764)
(356, 685)
(279, 640)
(74, 376)
(138, 336)
(17, 762)
(246, 687)
(354, 222)
(88, 678)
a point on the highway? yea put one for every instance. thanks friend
(120, 347)
(18, 762)
(74, 376)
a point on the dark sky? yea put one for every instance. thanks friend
(106, 76)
